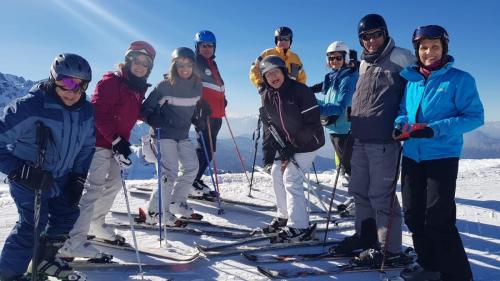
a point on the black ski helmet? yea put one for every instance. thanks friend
(430, 32)
(271, 62)
(283, 31)
(183, 52)
(371, 22)
(70, 65)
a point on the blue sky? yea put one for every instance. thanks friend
(33, 32)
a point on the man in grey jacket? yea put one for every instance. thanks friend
(375, 156)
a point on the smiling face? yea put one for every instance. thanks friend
(184, 67)
(69, 97)
(283, 42)
(140, 65)
(275, 78)
(373, 40)
(206, 49)
(430, 51)
(335, 60)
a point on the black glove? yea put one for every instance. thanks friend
(74, 188)
(397, 134)
(121, 146)
(425, 132)
(201, 115)
(286, 153)
(261, 88)
(348, 113)
(31, 177)
(225, 102)
(155, 120)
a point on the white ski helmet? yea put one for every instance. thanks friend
(338, 46)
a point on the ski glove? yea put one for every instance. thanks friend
(201, 115)
(155, 120)
(121, 146)
(425, 132)
(74, 188)
(32, 177)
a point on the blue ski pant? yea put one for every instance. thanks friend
(56, 218)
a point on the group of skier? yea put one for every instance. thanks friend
(64, 155)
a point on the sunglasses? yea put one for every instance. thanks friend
(184, 65)
(283, 38)
(69, 84)
(144, 63)
(207, 45)
(335, 58)
(374, 35)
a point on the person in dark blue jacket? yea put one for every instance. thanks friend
(440, 104)
(47, 141)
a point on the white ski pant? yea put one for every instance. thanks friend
(103, 183)
(372, 185)
(289, 190)
(179, 169)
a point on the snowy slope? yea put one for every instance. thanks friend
(478, 219)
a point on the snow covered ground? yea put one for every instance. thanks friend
(478, 219)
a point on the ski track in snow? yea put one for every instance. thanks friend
(478, 207)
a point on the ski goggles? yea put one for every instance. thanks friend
(144, 63)
(207, 45)
(373, 35)
(430, 32)
(335, 58)
(283, 38)
(70, 84)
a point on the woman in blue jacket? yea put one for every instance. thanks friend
(47, 141)
(339, 86)
(440, 104)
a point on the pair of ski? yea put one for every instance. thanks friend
(402, 262)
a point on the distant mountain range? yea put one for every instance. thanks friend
(479, 144)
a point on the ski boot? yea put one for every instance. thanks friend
(55, 268)
(152, 218)
(291, 234)
(183, 209)
(202, 191)
(415, 272)
(275, 225)
(106, 234)
(373, 257)
(86, 250)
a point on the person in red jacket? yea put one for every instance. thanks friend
(213, 94)
(117, 101)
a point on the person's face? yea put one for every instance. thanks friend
(70, 90)
(140, 65)
(430, 51)
(373, 40)
(184, 67)
(206, 49)
(283, 42)
(275, 78)
(335, 60)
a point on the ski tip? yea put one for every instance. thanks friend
(249, 256)
(265, 271)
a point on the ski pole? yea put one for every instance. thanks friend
(131, 221)
(255, 137)
(158, 157)
(200, 134)
(221, 211)
(337, 174)
(315, 173)
(393, 201)
(42, 133)
(237, 150)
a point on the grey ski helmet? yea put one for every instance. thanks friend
(270, 63)
(183, 52)
(70, 65)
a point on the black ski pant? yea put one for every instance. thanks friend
(339, 141)
(215, 125)
(428, 191)
(268, 148)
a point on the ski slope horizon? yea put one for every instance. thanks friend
(478, 220)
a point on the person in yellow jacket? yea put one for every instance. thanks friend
(283, 37)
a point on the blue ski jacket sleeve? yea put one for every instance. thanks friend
(71, 144)
(448, 102)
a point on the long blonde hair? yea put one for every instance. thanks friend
(172, 76)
